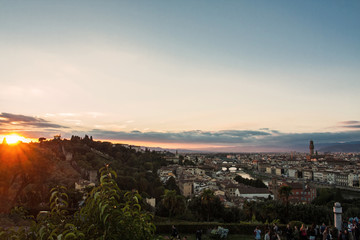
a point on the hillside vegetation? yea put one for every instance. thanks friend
(29, 171)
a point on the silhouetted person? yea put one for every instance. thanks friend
(198, 234)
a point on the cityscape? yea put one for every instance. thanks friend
(156, 119)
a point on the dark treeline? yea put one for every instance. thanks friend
(208, 207)
(266, 211)
(258, 183)
(29, 170)
(136, 170)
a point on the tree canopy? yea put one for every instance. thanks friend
(108, 213)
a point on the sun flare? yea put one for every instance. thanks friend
(14, 138)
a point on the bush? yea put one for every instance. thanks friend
(295, 223)
(192, 227)
(107, 214)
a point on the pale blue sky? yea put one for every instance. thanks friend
(173, 66)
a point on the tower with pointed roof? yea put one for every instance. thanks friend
(311, 147)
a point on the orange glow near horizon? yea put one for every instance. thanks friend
(15, 138)
(163, 144)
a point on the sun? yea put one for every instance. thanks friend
(14, 138)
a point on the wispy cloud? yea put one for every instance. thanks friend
(244, 140)
(9, 119)
(261, 138)
(195, 136)
(352, 126)
(350, 122)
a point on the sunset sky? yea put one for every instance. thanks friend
(237, 75)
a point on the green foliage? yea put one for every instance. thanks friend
(233, 214)
(18, 213)
(207, 206)
(171, 185)
(328, 196)
(174, 203)
(272, 210)
(285, 192)
(258, 183)
(192, 227)
(352, 212)
(295, 223)
(108, 214)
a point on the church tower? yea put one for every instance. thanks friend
(311, 147)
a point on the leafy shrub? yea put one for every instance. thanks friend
(192, 227)
(107, 214)
(295, 223)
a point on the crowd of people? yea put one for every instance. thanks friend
(175, 234)
(350, 231)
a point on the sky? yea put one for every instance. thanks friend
(239, 75)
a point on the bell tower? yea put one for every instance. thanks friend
(311, 147)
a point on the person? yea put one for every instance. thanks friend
(273, 235)
(267, 235)
(346, 235)
(198, 234)
(288, 232)
(357, 231)
(343, 235)
(296, 233)
(350, 229)
(185, 238)
(317, 230)
(275, 228)
(174, 232)
(312, 233)
(303, 232)
(327, 234)
(257, 233)
(322, 228)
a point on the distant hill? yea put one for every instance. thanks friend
(341, 147)
(29, 170)
(173, 150)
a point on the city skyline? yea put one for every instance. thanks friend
(197, 75)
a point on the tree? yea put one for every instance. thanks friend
(171, 185)
(108, 214)
(258, 183)
(181, 160)
(284, 193)
(207, 199)
(174, 203)
(207, 206)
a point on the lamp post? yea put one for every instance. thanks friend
(337, 215)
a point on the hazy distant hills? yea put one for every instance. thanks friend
(340, 147)
(320, 147)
